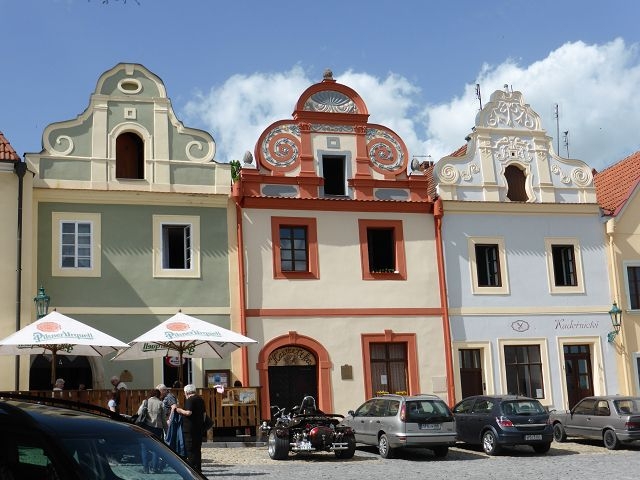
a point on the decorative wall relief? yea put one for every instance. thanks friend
(385, 151)
(281, 147)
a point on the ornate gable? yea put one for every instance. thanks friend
(329, 150)
(510, 158)
(128, 138)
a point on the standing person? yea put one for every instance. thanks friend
(59, 385)
(153, 423)
(112, 403)
(192, 425)
(168, 399)
(117, 384)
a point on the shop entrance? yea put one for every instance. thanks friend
(293, 373)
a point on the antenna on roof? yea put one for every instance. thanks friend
(556, 114)
(566, 142)
(478, 95)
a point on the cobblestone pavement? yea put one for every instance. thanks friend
(578, 459)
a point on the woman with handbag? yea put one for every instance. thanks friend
(151, 418)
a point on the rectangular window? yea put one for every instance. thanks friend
(75, 245)
(633, 279)
(488, 265)
(295, 247)
(176, 246)
(564, 266)
(334, 175)
(523, 366)
(382, 250)
(388, 367)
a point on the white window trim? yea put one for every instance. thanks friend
(636, 372)
(504, 274)
(485, 360)
(544, 357)
(597, 361)
(57, 218)
(194, 223)
(625, 277)
(553, 288)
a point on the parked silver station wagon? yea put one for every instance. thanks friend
(396, 421)
(613, 419)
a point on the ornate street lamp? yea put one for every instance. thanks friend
(42, 303)
(616, 321)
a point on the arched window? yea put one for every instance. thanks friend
(516, 191)
(129, 156)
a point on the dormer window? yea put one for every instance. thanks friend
(129, 156)
(516, 181)
(334, 175)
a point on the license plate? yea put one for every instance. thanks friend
(533, 437)
(430, 426)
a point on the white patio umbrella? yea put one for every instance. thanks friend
(57, 334)
(185, 337)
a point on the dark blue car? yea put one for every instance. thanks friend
(494, 421)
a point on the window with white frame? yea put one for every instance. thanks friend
(523, 367)
(488, 265)
(176, 246)
(564, 265)
(75, 244)
(633, 285)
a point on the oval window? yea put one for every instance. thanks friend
(129, 86)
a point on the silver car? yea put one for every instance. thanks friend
(397, 421)
(613, 419)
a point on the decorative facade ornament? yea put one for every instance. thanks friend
(510, 111)
(321, 127)
(384, 150)
(330, 101)
(61, 140)
(512, 148)
(281, 147)
(200, 146)
(472, 169)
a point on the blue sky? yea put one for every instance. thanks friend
(234, 67)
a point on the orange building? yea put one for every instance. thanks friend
(339, 271)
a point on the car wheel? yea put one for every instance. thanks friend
(440, 451)
(541, 447)
(490, 443)
(351, 448)
(610, 439)
(383, 447)
(278, 447)
(559, 435)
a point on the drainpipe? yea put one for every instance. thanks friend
(438, 213)
(20, 169)
(236, 187)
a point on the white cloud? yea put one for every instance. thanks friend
(594, 86)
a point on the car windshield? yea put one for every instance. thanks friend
(426, 411)
(121, 456)
(628, 406)
(522, 407)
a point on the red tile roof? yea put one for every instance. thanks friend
(615, 184)
(461, 152)
(6, 150)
